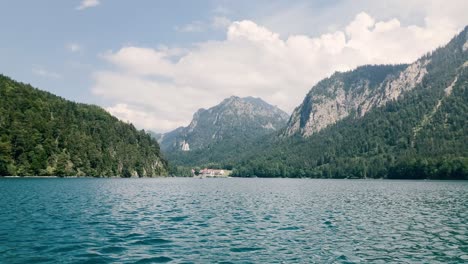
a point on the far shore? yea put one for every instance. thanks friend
(86, 177)
(161, 177)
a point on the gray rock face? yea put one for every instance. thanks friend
(355, 92)
(234, 118)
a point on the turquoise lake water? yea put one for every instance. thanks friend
(180, 220)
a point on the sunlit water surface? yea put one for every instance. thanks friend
(232, 221)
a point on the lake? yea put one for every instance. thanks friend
(234, 220)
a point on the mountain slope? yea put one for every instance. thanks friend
(234, 118)
(378, 121)
(353, 93)
(221, 135)
(42, 134)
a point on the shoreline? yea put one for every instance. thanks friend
(266, 178)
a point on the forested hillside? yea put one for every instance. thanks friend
(42, 134)
(422, 133)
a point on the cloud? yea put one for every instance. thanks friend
(39, 71)
(74, 47)
(162, 87)
(87, 4)
(316, 17)
(135, 115)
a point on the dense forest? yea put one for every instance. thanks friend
(43, 134)
(422, 135)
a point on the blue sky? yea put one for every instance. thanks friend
(37, 35)
(154, 63)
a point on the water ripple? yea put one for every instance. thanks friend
(232, 221)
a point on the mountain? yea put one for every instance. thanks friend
(219, 136)
(354, 93)
(384, 121)
(234, 118)
(43, 134)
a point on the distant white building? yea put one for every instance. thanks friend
(212, 173)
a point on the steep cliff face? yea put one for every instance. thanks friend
(234, 118)
(353, 93)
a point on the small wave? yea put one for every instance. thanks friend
(152, 241)
(161, 259)
(112, 249)
(65, 249)
(133, 235)
(178, 218)
(289, 228)
(245, 249)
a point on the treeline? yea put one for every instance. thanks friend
(441, 169)
(42, 134)
(361, 168)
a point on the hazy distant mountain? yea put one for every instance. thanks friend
(234, 118)
(43, 134)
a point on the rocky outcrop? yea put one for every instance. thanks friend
(406, 81)
(353, 93)
(185, 146)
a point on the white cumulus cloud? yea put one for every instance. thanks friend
(87, 4)
(140, 116)
(160, 88)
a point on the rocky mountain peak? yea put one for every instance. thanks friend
(234, 117)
